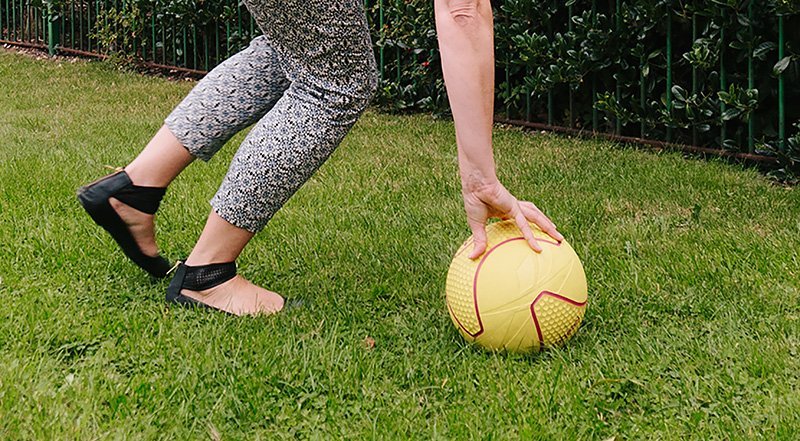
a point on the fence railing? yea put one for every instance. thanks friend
(602, 97)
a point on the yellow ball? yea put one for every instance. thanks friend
(512, 298)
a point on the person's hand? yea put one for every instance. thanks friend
(493, 200)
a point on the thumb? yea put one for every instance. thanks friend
(478, 239)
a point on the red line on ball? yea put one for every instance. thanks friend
(533, 310)
(475, 285)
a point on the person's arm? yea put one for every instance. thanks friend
(466, 43)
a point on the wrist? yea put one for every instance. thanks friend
(476, 182)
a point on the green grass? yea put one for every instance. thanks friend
(692, 330)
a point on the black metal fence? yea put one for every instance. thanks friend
(596, 99)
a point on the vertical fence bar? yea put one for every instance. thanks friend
(80, 28)
(79, 9)
(216, 44)
(135, 39)
(52, 30)
(750, 79)
(163, 44)
(381, 62)
(89, 21)
(781, 90)
(72, 24)
(185, 54)
(227, 39)
(205, 50)
(669, 69)
(116, 22)
(508, 86)
(694, 72)
(399, 67)
(528, 99)
(618, 87)
(398, 58)
(722, 80)
(595, 119)
(173, 42)
(153, 35)
(571, 97)
(97, 18)
(239, 37)
(642, 92)
(550, 90)
(194, 46)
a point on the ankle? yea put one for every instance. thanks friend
(200, 259)
(141, 177)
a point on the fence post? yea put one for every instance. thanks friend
(750, 79)
(781, 89)
(53, 30)
(723, 84)
(669, 69)
(618, 91)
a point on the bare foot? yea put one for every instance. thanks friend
(239, 297)
(141, 225)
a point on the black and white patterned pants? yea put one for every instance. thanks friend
(304, 83)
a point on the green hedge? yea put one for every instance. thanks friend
(589, 65)
(585, 64)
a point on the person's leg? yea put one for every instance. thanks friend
(234, 95)
(330, 62)
(157, 165)
(222, 242)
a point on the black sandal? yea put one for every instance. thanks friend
(95, 200)
(203, 277)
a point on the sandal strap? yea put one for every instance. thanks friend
(144, 199)
(200, 278)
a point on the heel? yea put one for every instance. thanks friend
(94, 198)
(200, 278)
(203, 277)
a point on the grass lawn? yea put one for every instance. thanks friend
(692, 330)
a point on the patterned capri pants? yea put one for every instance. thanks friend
(304, 83)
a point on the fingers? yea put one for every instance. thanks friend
(533, 214)
(478, 238)
(522, 223)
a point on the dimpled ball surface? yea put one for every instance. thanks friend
(512, 298)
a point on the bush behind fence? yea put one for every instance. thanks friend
(719, 73)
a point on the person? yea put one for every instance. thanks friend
(303, 83)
